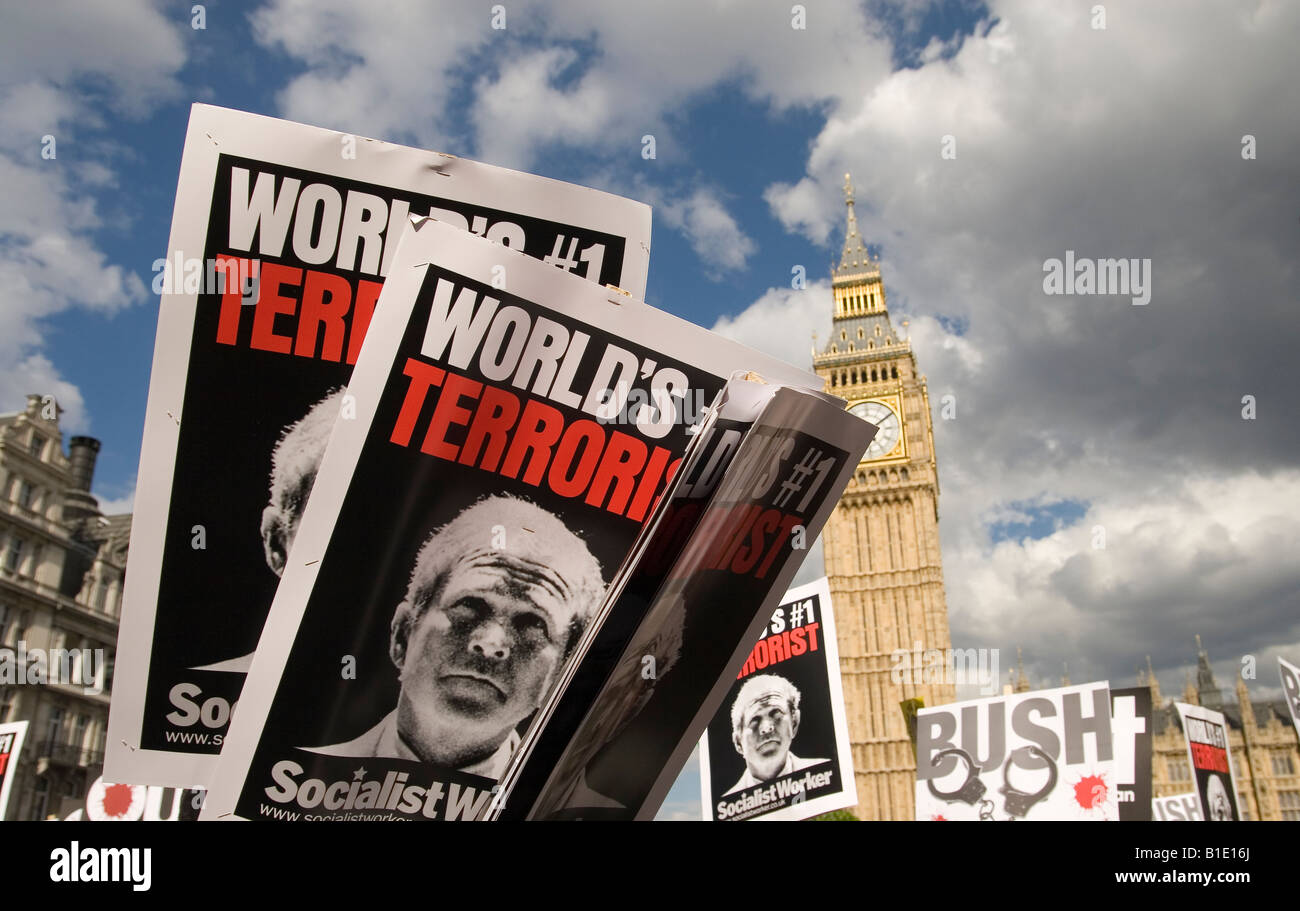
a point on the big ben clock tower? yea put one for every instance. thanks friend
(882, 540)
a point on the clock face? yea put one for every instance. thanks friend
(882, 416)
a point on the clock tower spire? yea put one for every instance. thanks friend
(882, 540)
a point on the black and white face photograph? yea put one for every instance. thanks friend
(294, 463)
(1218, 804)
(496, 600)
(765, 720)
(773, 725)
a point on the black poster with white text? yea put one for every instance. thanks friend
(1131, 721)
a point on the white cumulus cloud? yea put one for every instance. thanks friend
(49, 259)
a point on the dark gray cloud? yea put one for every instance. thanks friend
(1123, 142)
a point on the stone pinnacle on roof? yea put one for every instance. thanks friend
(1207, 688)
(855, 257)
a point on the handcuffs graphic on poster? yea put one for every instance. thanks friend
(1017, 803)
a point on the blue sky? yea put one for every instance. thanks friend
(719, 138)
(1123, 136)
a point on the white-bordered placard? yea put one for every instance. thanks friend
(280, 239)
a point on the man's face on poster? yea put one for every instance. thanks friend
(1220, 808)
(767, 729)
(295, 462)
(480, 657)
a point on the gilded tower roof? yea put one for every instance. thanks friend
(861, 329)
(856, 261)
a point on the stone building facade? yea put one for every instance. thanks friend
(62, 565)
(1263, 746)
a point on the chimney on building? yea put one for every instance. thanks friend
(77, 501)
(82, 452)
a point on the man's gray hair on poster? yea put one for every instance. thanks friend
(759, 687)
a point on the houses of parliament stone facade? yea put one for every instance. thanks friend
(882, 541)
(1263, 746)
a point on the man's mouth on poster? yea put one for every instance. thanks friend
(473, 692)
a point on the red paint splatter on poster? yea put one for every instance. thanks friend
(117, 799)
(1090, 792)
